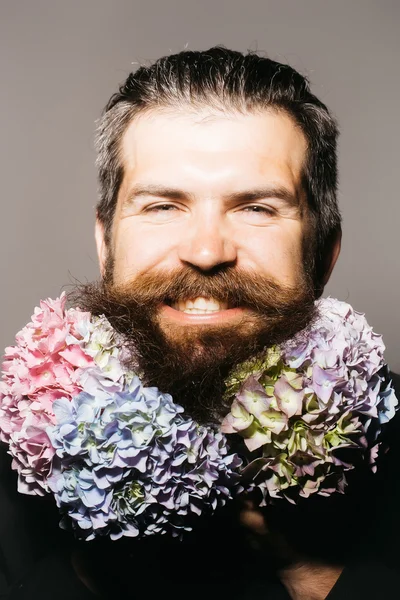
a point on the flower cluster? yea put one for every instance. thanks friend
(43, 366)
(122, 459)
(132, 464)
(58, 354)
(299, 406)
(119, 458)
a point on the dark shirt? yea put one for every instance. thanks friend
(360, 530)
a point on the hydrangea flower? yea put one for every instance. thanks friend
(299, 405)
(131, 464)
(57, 354)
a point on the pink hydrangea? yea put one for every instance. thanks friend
(43, 366)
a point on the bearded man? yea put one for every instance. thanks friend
(217, 229)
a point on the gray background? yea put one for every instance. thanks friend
(61, 60)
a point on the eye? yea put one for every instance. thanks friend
(259, 209)
(161, 208)
(162, 212)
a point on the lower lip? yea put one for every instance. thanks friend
(171, 314)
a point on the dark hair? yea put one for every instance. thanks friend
(228, 80)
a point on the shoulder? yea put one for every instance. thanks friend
(384, 498)
(34, 560)
(391, 432)
(16, 545)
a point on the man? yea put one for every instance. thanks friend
(217, 228)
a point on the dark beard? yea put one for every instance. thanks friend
(192, 364)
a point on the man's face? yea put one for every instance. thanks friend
(209, 191)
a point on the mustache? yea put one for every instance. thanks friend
(235, 286)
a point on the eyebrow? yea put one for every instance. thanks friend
(270, 191)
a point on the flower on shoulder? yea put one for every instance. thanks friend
(308, 400)
(55, 357)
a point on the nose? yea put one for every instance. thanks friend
(207, 245)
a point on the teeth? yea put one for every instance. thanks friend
(200, 305)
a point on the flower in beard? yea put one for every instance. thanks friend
(304, 406)
(131, 464)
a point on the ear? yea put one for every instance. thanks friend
(101, 246)
(333, 256)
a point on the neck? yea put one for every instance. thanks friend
(310, 581)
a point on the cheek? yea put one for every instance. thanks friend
(278, 253)
(138, 249)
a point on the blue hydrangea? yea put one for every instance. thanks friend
(131, 464)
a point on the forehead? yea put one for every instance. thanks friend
(220, 150)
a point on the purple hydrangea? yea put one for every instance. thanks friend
(131, 464)
(300, 405)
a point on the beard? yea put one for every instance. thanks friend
(191, 362)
